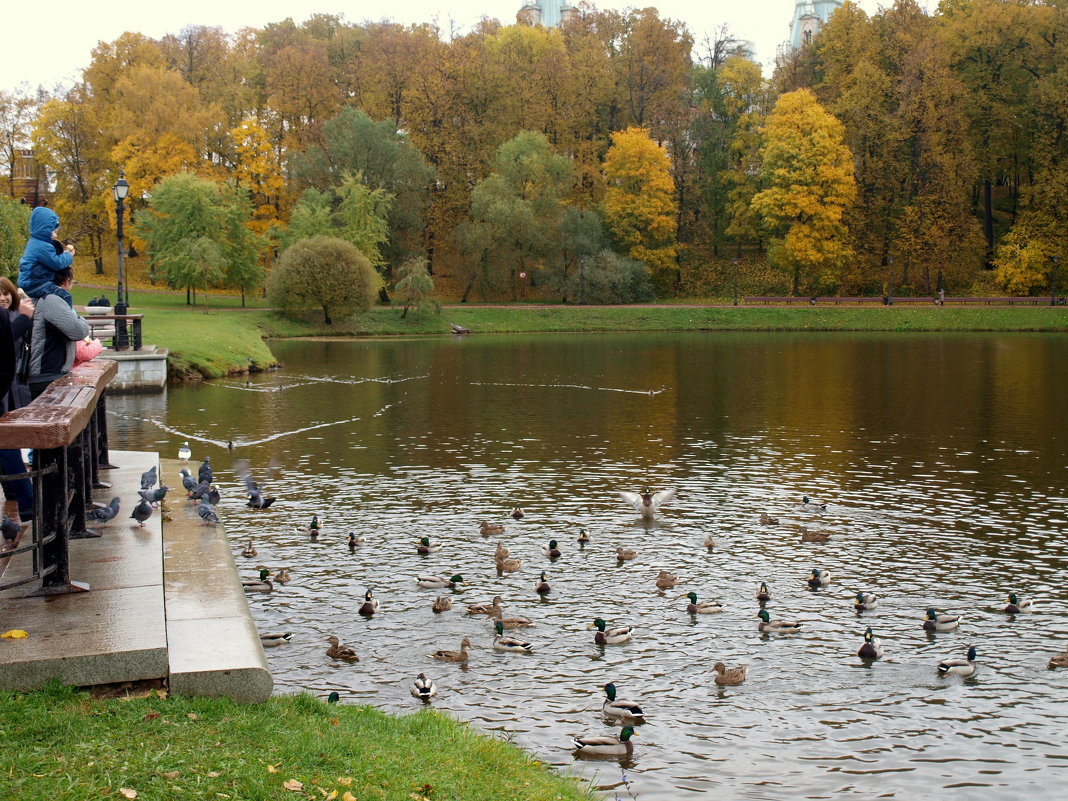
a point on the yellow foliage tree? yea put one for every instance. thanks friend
(257, 170)
(808, 174)
(639, 203)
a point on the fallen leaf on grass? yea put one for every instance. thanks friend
(127, 792)
(171, 775)
(192, 715)
(293, 784)
(213, 774)
(273, 768)
(348, 796)
(344, 781)
(151, 716)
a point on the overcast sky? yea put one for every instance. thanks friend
(51, 44)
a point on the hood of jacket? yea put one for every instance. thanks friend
(43, 221)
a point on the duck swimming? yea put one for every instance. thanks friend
(1058, 660)
(503, 642)
(694, 607)
(767, 520)
(728, 678)
(517, 513)
(957, 666)
(606, 744)
(453, 656)
(766, 624)
(370, 604)
(541, 586)
(314, 527)
(354, 541)
(865, 601)
(647, 504)
(870, 648)
(583, 537)
(1013, 605)
(809, 505)
(282, 575)
(425, 546)
(443, 603)
(553, 550)
(339, 651)
(249, 550)
(936, 621)
(423, 688)
(818, 578)
(709, 542)
(486, 609)
(625, 554)
(439, 582)
(263, 585)
(763, 594)
(272, 639)
(665, 580)
(607, 636)
(814, 536)
(488, 529)
(617, 707)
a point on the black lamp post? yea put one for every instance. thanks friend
(120, 190)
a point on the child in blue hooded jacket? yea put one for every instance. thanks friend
(41, 258)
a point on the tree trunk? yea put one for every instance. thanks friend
(326, 316)
(988, 222)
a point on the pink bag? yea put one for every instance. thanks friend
(87, 349)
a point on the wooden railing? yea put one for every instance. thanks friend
(66, 426)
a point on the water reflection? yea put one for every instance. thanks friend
(941, 458)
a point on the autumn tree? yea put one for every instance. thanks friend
(14, 231)
(258, 171)
(414, 285)
(17, 112)
(515, 215)
(324, 273)
(807, 174)
(639, 204)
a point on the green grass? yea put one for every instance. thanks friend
(59, 744)
(219, 338)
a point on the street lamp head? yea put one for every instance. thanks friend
(121, 188)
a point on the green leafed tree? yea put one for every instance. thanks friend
(807, 174)
(197, 235)
(14, 231)
(414, 285)
(516, 213)
(324, 273)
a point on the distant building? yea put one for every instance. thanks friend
(30, 184)
(809, 17)
(549, 13)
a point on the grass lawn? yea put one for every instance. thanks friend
(59, 744)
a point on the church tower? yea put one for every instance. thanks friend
(550, 13)
(809, 17)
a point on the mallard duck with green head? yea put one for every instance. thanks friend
(695, 607)
(870, 648)
(865, 601)
(818, 578)
(583, 537)
(439, 582)
(541, 586)
(553, 550)
(614, 707)
(423, 688)
(370, 604)
(955, 666)
(763, 594)
(425, 546)
(315, 527)
(613, 636)
(1014, 605)
(606, 744)
(339, 651)
(354, 541)
(507, 644)
(272, 639)
(940, 621)
(770, 626)
(811, 506)
(263, 585)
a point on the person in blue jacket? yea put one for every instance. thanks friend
(42, 259)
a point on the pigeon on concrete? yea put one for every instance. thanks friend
(204, 473)
(142, 512)
(104, 514)
(9, 528)
(207, 513)
(184, 453)
(149, 478)
(188, 482)
(154, 496)
(212, 495)
(199, 491)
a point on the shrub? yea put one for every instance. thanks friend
(325, 273)
(609, 278)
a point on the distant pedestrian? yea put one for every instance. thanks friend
(941, 297)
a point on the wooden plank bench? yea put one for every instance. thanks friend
(769, 299)
(846, 301)
(1028, 300)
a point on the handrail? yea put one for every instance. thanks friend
(66, 425)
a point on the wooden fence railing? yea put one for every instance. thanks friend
(66, 426)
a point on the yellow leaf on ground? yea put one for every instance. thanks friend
(15, 634)
(293, 784)
(345, 781)
(273, 768)
(127, 792)
(348, 796)
(214, 774)
(171, 775)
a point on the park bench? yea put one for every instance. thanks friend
(846, 301)
(1027, 300)
(769, 299)
(66, 426)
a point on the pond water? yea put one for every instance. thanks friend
(943, 461)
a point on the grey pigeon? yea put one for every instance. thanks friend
(149, 478)
(257, 501)
(9, 528)
(207, 513)
(199, 491)
(204, 473)
(104, 514)
(188, 482)
(142, 512)
(154, 496)
(212, 495)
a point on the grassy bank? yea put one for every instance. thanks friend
(220, 337)
(58, 744)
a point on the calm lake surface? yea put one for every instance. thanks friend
(943, 461)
